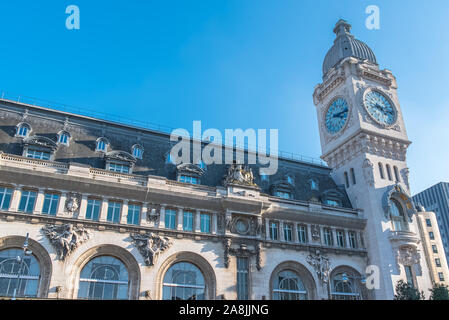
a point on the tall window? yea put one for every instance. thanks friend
(114, 209)
(287, 232)
(27, 201)
(133, 214)
(396, 174)
(51, 201)
(118, 167)
(381, 171)
(5, 198)
(428, 223)
(27, 282)
(205, 222)
(346, 179)
(389, 172)
(184, 281)
(170, 219)
(344, 287)
(187, 221)
(288, 286)
(328, 241)
(431, 235)
(409, 275)
(441, 276)
(273, 230)
(242, 278)
(434, 248)
(397, 216)
(352, 240)
(438, 262)
(341, 238)
(38, 154)
(93, 209)
(353, 176)
(104, 278)
(302, 234)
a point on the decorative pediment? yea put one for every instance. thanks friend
(190, 169)
(40, 141)
(399, 193)
(120, 156)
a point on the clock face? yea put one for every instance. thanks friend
(337, 115)
(380, 108)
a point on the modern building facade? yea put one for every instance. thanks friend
(110, 216)
(436, 199)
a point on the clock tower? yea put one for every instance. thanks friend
(364, 142)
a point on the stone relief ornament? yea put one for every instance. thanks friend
(320, 264)
(72, 203)
(404, 173)
(315, 230)
(65, 238)
(154, 212)
(242, 251)
(150, 245)
(408, 256)
(227, 247)
(368, 172)
(239, 174)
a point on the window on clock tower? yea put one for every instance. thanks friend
(389, 172)
(353, 176)
(398, 218)
(396, 173)
(346, 179)
(381, 171)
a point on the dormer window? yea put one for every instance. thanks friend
(137, 151)
(332, 198)
(331, 202)
(202, 165)
(37, 147)
(23, 130)
(64, 138)
(102, 145)
(283, 188)
(120, 162)
(283, 194)
(313, 184)
(189, 173)
(169, 159)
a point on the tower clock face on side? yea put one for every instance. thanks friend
(337, 115)
(380, 108)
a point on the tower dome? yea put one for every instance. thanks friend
(345, 45)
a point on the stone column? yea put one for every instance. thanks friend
(15, 200)
(143, 215)
(180, 219)
(295, 237)
(83, 207)
(198, 221)
(104, 209)
(39, 202)
(281, 231)
(162, 217)
(347, 244)
(267, 229)
(124, 213)
(61, 204)
(214, 223)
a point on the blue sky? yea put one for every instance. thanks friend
(231, 64)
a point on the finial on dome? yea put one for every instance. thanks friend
(342, 27)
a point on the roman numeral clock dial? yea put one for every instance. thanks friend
(337, 115)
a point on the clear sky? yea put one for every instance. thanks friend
(231, 64)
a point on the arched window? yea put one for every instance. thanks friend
(102, 145)
(396, 174)
(183, 281)
(23, 130)
(288, 286)
(104, 278)
(381, 171)
(346, 179)
(389, 172)
(24, 277)
(137, 151)
(397, 216)
(64, 138)
(344, 287)
(353, 176)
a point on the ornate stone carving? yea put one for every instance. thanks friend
(400, 193)
(238, 174)
(242, 251)
(404, 173)
(315, 230)
(408, 256)
(41, 142)
(65, 238)
(72, 203)
(368, 172)
(154, 212)
(321, 265)
(227, 246)
(150, 245)
(258, 256)
(244, 225)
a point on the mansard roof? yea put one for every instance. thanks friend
(85, 131)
